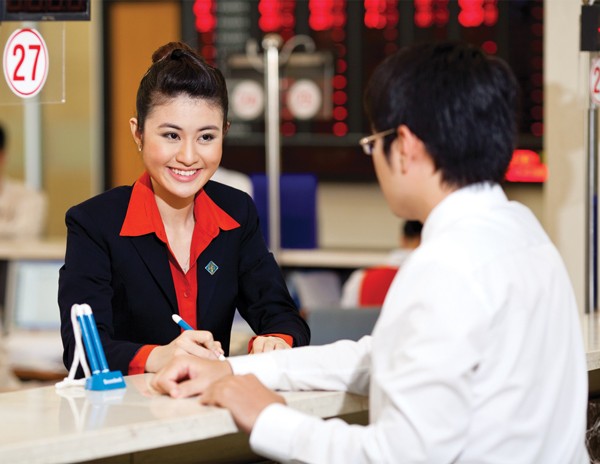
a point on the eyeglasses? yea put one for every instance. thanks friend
(367, 143)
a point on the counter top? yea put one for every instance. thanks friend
(50, 248)
(44, 425)
(54, 248)
(335, 258)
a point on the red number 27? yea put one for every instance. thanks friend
(20, 50)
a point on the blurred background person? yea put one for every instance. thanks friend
(367, 287)
(23, 210)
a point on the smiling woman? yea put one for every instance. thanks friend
(174, 242)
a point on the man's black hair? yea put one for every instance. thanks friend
(458, 100)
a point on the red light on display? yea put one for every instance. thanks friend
(423, 13)
(390, 48)
(338, 34)
(490, 12)
(375, 14)
(206, 20)
(490, 47)
(339, 82)
(269, 23)
(340, 49)
(326, 14)
(288, 129)
(341, 66)
(537, 112)
(526, 166)
(277, 16)
(320, 14)
(537, 129)
(537, 96)
(391, 13)
(440, 12)
(209, 52)
(340, 113)
(340, 129)
(340, 97)
(471, 14)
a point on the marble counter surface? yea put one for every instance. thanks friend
(46, 425)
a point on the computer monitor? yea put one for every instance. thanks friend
(31, 300)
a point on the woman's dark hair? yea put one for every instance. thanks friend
(177, 69)
(459, 101)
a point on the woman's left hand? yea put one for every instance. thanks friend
(263, 344)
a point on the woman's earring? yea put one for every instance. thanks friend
(139, 148)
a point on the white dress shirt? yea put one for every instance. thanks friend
(477, 356)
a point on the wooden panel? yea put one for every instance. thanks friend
(135, 30)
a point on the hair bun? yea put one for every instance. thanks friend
(169, 49)
(177, 54)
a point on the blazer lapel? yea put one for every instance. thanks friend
(154, 254)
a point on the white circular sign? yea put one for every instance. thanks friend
(25, 62)
(247, 100)
(304, 99)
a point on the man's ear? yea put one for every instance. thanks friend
(410, 146)
(402, 147)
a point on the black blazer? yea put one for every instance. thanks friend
(128, 284)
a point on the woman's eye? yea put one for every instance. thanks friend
(206, 137)
(171, 136)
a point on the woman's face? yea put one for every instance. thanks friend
(181, 145)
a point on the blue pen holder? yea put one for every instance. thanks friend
(101, 377)
(105, 381)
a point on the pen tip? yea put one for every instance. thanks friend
(176, 318)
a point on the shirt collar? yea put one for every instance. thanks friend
(143, 217)
(460, 203)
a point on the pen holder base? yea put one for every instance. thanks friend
(105, 381)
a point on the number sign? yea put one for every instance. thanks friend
(25, 62)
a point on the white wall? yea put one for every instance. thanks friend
(565, 115)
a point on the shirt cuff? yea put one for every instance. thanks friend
(138, 364)
(262, 365)
(286, 338)
(274, 432)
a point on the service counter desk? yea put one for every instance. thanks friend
(46, 425)
(53, 248)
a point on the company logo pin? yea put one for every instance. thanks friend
(211, 268)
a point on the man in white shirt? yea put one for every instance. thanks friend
(477, 355)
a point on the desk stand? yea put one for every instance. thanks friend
(100, 377)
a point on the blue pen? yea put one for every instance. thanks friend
(185, 326)
(87, 340)
(181, 323)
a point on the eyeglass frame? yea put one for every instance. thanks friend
(367, 143)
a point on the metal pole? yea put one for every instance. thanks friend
(32, 144)
(271, 44)
(592, 207)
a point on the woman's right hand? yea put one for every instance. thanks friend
(198, 343)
